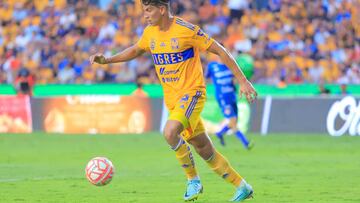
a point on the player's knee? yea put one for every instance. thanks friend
(171, 132)
(232, 126)
(168, 133)
(232, 123)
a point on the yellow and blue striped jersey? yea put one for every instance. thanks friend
(176, 55)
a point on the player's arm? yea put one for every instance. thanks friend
(126, 55)
(246, 87)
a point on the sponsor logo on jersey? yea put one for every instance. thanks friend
(163, 71)
(173, 58)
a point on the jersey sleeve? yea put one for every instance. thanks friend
(143, 42)
(201, 39)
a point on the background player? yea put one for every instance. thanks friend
(175, 46)
(225, 93)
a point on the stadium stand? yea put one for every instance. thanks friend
(291, 42)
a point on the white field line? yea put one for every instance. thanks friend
(8, 180)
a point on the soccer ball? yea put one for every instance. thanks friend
(99, 171)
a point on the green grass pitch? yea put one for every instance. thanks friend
(281, 168)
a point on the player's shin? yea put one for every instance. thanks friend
(242, 138)
(185, 157)
(223, 130)
(222, 167)
(220, 134)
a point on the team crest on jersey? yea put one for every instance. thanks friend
(174, 43)
(162, 44)
(152, 44)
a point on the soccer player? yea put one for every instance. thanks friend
(175, 47)
(225, 93)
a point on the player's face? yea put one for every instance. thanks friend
(153, 14)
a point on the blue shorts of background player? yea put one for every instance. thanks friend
(230, 112)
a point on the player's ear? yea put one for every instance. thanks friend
(163, 10)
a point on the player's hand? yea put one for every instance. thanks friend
(248, 91)
(97, 58)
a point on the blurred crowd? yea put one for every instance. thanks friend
(302, 41)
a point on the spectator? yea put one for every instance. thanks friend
(24, 82)
(139, 91)
(237, 8)
(316, 73)
(323, 90)
(67, 74)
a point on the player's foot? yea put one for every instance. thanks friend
(250, 145)
(194, 188)
(242, 193)
(221, 138)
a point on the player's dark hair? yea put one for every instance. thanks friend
(156, 3)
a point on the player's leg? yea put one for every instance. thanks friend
(204, 147)
(233, 120)
(223, 129)
(172, 131)
(221, 166)
(229, 111)
(238, 133)
(179, 116)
